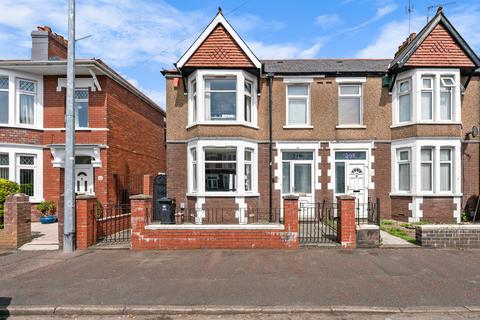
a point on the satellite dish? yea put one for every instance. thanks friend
(474, 131)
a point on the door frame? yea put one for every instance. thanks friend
(88, 169)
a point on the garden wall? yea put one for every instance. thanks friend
(448, 236)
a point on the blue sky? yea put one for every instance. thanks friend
(140, 37)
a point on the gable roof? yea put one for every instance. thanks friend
(326, 66)
(218, 20)
(439, 20)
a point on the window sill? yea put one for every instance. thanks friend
(406, 124)
(353, 126)
(18, 126)
(400, 194)
(222, 123)
(222, 194)
(77, 129)
(297, 127)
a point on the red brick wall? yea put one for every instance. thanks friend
(219, 50)
(382, 178)
(439, 49)
(470, 174)
(20, 135)
(438, 209)
(400, 208)
(177, 173)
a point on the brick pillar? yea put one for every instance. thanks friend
(346, 231)
(17, 222)
(86, 229)
(147, 184)
(290, 220)
(141, 211)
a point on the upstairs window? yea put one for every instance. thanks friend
(220, 98)
(26, 92)
(248, 101)
(4, 106)
(427, 98)
(350, 104)
(297, 104)
(447, 84)
(194, 101)
(81, 108)
(404, 101)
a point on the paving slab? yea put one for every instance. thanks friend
(44, 237)
(389, 241)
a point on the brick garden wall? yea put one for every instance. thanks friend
(448, 236)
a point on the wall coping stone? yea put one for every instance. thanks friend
(290, 197)
(141, 197)
(368, 227)
(448, 226)
(85, 197)
(345, 197)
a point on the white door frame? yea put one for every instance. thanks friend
(88, 169)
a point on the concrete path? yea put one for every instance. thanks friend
(44, 237)
(305, 278)
(389, 241)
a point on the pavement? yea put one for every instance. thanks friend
(44, 237)
(400, 282)
(389, 241)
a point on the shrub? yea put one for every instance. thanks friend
(46, 207)
(6, 188)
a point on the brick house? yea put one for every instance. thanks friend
(395, 129)
(120, 131)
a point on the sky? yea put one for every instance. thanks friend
(139, 38)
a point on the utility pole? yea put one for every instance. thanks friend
(69, 192)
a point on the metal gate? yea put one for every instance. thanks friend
(317, 223)
(112, 224)
(159, 191)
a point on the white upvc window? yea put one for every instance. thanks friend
(445, 169)
(427, 98)
(222, 97)
(404, 169)
(298, 104)
(26, 167)
(4, 166)
(4, 99)
(26, 97)
(222, 168)
(426, 169)
(350, 104)
(404, 101)
(81, 108)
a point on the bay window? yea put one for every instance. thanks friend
(427, 98)
(81, 108)
(446, 86)
(4, 105)
(4, 166)
(26, 94)
(404, 102)
(404, 171)
(222, 97)
(248, 160)
(220, 169)
(298, 104)
(26, 174)
(426, 167)
(350, 104)
(194, 173)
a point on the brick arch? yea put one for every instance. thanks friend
(219, 50)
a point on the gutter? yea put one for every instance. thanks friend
(270, 148)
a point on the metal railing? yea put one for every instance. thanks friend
(112, 223)
(318, 223)
(368, 213)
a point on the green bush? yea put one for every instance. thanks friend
(46, 207)
(6, 187)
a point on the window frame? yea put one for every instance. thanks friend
(451, 163)
(208, 111)
(7, 90)
(19, 92)
(19, 167)
(359, 96)
(400, 162)
(6, 166)
(245, 164)
(401, 94)
(431, 91)
(446, 89)
(247, 116)
(431, 163)
(288, 97)
(77, 126)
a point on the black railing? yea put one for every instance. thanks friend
(112, 223)
(367, 213)
(317, 223)
(228, 216)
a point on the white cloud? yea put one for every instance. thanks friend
(380, 13)
(285, 51)
(249, 22)
(327, 20)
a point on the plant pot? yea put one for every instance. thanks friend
(48, 219)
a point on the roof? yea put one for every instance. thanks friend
(326, 66)
(58, 67)
(406, 52)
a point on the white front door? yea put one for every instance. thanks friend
(84, 179)
(356, 187)
(297, 179)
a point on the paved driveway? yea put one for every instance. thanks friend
(306, 277)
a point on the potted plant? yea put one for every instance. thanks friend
(47, 208)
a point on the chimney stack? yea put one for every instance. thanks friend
(405, 43)
(47, 45)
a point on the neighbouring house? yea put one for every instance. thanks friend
(244, 132)
(120, 132)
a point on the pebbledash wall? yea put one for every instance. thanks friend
(379, 134)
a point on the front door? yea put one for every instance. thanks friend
(297, 179)
(84, 179)
(356, 187)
